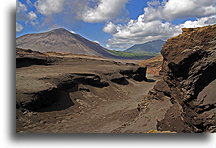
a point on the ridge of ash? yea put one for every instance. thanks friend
(54, 92)
(188, 73)
(58, 91)
(27, 57)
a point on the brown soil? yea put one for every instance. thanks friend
(78, 94)
(154, 65)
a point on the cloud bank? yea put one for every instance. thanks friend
(92, 11)
(23, 15)
(49, 7)
(156, 22)
(105, 10)
(19, 27)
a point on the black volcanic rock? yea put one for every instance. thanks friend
(188, 72)
(119, 79)
(61, 40)
(138, 74)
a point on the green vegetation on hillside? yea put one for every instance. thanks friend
(133, 55)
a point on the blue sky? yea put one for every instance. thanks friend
(115, 24)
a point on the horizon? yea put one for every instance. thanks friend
(124, 24)
(89, 39)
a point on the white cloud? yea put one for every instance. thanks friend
(19, 27)
(172, 9)
(110, 28)
(137, 31)
(49, 7)
(153, 3)
(21, 10)
(32, 15)
(105, 10)
(199, 22)
(20, 7)
(23, 15)
(155, 23)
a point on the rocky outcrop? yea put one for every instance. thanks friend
(119, 79)
(57, 86)
(138, 74)
(153, 65)
(188, 72)
(35, 94)
(25, 58)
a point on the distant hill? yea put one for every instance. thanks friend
(130, 55)
(61, 40)
(148, 47)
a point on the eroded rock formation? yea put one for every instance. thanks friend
(188, 72)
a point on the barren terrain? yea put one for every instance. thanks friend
(103, 105)
(67, 93)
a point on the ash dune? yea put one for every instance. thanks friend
(86, 95)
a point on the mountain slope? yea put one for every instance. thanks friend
(152, 46)
(61, 40)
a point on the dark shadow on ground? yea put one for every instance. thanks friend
(150, 80)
